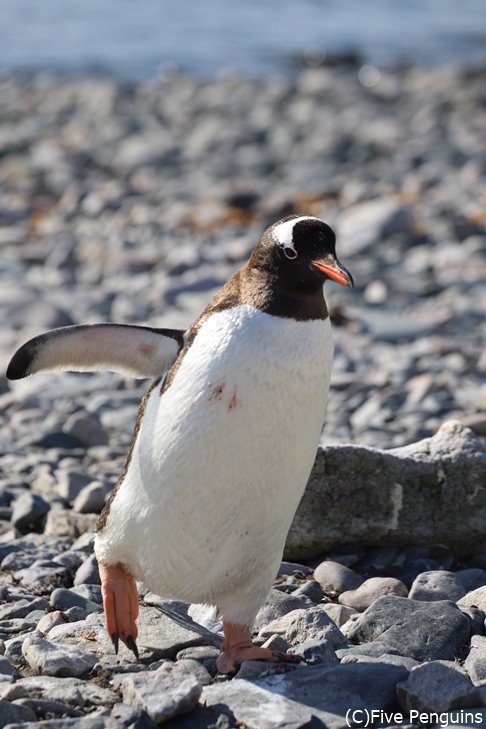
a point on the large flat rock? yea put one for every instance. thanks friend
(290, 700)
(160, 636)
(430, 492)
(425, 631)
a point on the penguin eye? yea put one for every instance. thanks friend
(290, 253)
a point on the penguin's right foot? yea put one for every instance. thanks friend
(120, 603)
(238, 647)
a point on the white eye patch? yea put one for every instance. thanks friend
(283, 234)
(290, 253)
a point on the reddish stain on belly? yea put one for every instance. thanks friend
(216, 391)
(234, 402)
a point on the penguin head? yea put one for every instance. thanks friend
(301, 250)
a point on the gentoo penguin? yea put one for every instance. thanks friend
(225, 437)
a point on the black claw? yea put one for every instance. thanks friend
(286, 657)
(114, 640)
(130, 641)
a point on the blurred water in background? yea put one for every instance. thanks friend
(138, 40)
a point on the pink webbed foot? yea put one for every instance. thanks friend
(237, 647)
(120, 603)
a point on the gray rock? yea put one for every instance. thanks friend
(472, 578)
(122, 417)
(75, 691)
(330, 692)
(287, 569)
(88, 722)
(131, 717)
(339, 614)
(159, 636)
(437, 686)
(13, 651)
(475, 598)
(475, 663)
(371, 590)
(393, 327)
(89, 634)
(375, 292)
(50, 621)
(75, 614)
(86, 429)
(277, 604)
(38, 315)
(205, 654)
(62, 599)
(476, 618)
(437, 585)
(141, 150)
(28, 570)
(250, 670)
(360, 226)
(336, 578)
(422, 630)
(8, 672)
(84, 543)
(303, 625)
(12, 713)
(390, 658)
(16, 625)
(374, 649)
(28, 511)
(35, 616)
(53, 660)
(276, 643)
(71, 483)
(311, 589)
(378, 560)
(21, 608)
(42, 708)
(13, 593)
(430, 492)
(43, 480)
(70, 559)
(14, 563)
(88, 572)
(167, 692)
(194, 668)
(370, 410)
(64, 523)
(89, 591)
(91, 499)
(314, 651)
(7, 532)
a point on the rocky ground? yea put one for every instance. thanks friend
(134, 204)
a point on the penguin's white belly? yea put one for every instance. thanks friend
(222, 458)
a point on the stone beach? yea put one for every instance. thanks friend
(134, 203)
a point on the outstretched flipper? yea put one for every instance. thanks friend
(131, 350)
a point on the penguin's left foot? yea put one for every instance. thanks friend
(120, 603)
(237, 647)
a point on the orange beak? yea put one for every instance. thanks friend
(336, 271)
